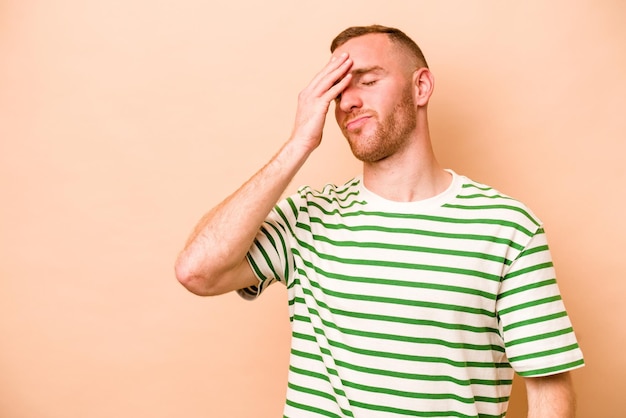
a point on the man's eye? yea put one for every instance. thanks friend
(368, 82)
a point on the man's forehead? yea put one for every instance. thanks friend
(377, 50)
(376, 69)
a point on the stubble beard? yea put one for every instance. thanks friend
(390, 135)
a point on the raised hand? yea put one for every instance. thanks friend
(314, 100)
(214, 258)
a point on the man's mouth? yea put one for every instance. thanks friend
(357, 122)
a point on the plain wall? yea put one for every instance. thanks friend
(122, 122)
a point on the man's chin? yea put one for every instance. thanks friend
(367, 156)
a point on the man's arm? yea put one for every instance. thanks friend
(551, 396)
(213, 260)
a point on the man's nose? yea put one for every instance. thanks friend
(350, 99)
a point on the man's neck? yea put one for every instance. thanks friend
(409, 176)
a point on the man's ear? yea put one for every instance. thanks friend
(423, 83)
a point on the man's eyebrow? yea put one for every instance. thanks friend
(373, 69)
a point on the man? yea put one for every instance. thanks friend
(413, 291)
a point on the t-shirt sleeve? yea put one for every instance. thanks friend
(537, 331)
(270, 254)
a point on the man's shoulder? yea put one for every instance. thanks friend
(480, 197)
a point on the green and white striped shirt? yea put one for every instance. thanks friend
(420, 309)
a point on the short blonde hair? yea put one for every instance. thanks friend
(396, 35)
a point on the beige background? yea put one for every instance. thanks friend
(121, 122)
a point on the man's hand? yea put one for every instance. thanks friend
(314, 101)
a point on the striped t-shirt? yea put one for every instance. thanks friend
(420, 309)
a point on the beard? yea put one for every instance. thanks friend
(390, 134)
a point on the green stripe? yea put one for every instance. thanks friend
(312, 392)
(553, 370)
(483, 187)
(540, 336)
(414, 231)
(406, 302)
(416, 340)
(544, 353)
(532, 251)
(527, 287)
(482, 195)
(413, 413)
(534, 321)
(488, 207)
(529, 269)
(312, 409)
(530, 304)
(256, 269)
(433, 396)
(411, 248)
(266, 257)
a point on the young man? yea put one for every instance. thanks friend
(413, 291)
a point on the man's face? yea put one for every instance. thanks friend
(376, 112)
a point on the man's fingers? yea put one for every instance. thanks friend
(331, 74)
(339, 87)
